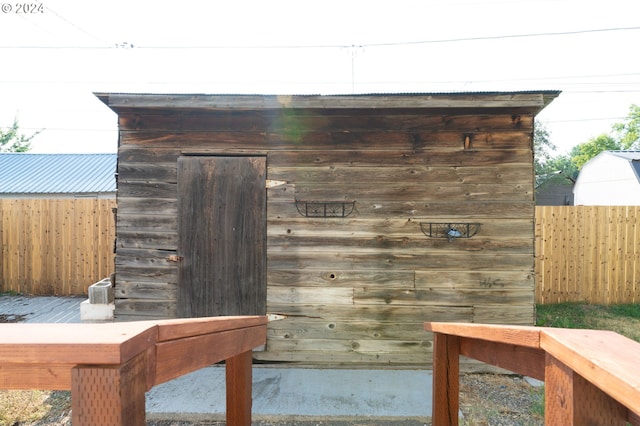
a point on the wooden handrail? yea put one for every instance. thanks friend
(591, 376)
(108, 367)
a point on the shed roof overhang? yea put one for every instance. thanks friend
(530, 102)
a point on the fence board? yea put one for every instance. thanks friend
(587, 254)
(55, 246)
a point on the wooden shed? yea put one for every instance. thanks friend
(352, 219)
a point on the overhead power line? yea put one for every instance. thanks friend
(328, 46)
(560, 79)
(61, 129)
(499, 37)
(68, 22)
(578, 120)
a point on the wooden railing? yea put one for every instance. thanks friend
(591, 376)
(109, 367)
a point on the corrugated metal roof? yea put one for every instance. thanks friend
(627, 155)
(636, 168)
(527, 101)
(26, 173)
(346, 95)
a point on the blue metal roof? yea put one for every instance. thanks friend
(26, 173)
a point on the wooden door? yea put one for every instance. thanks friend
(222, 236)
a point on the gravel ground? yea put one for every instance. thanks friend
(498, 400)
(485, 400)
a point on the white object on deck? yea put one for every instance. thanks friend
(100, 305)
(101, 292)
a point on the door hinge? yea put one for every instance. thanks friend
(273, 183)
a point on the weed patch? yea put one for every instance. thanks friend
(623, 319)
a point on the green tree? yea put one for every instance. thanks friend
(550, 168)
(543, 148)
(11, 140)
(623, 135)
(559, 169)
(582, 153)
(628, 132)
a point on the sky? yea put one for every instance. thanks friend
(55, 54)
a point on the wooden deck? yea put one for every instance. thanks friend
(40, 309)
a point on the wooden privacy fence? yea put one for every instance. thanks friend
(61, 246)
(55, 246)
(587, 254)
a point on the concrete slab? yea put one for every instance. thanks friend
(299, 392)
(534, 382)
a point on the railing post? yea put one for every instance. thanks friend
(558, 393)
(446, 379)
(572, 400)
(239, 376)
(109, 395)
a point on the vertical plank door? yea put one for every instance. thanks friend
(222, 236)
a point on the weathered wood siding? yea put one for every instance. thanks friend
(354, 289)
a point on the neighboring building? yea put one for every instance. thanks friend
(554, 190)
(352, 218)
(612, 178)
(27, 175)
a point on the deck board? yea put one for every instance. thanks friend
(40, 309)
